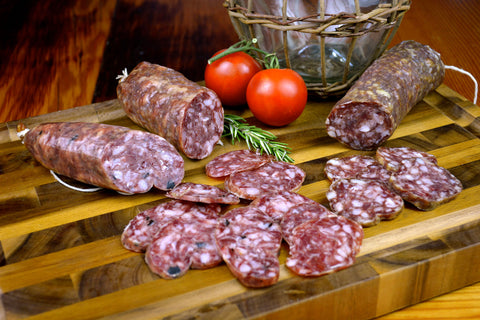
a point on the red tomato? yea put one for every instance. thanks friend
(277, 96)
(229, 77)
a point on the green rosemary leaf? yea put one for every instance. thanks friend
(256, 138)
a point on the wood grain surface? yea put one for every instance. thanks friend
(62, 256)
(57, 55)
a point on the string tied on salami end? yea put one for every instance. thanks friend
(471, 77)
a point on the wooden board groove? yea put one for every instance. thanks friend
(69, 246)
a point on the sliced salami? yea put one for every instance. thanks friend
(364, 201)
(170, 254)
(375, 105)
(107, 156)
(202, 193)
(324, 245)
(272, 176)
(299, 214)
(375, 172)
(164, 102)
(235, 161)
(249, 242)
(347, 167)
(391, 158)
(188, 242)
(425, 184)
(276, 204)
(139, 232)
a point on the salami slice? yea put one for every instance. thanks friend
(299, 214)
(249, 242)
(235, 161)
(164, 102)
(276, 204)
(170, 254)
(347, 167)
(107, 156)
(375, 105)
(425, 184)
(272, 176)
(202, 193)
(375, 172)
(324, 245)
(184, 243)
(364, 201)
(391, 158)
(139, 232)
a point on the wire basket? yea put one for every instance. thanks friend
(328, 42)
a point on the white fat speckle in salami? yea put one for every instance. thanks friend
(271, 177)
(425, 184)
(364, 201)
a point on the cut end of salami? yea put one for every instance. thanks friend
(378, 101)
(163, 101)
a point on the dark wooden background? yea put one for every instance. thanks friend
(59, 54)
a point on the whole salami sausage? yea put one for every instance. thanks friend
(163, 101)
(113, 157)
(373, 107)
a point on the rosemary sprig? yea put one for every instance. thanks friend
(256, 138)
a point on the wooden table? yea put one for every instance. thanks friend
(56, 55)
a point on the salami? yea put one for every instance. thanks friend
(107, 156)
(299, 214)
(139, 232)
(364, 201)
(235, 161)
(202, 193)
(391, 158)
(164, 102)
(277, 204)
(374, 106)
(249, 242)
(272, 176)
(184, 243)
(425, 184)
(324, 245)
(347, 167)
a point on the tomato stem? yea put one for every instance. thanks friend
(270, 60)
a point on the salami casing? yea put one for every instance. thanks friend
(249, 242)
(163, 101)
(374, 106)
(324, 245)
(113, 157)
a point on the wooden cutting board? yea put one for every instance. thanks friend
(61, 255)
